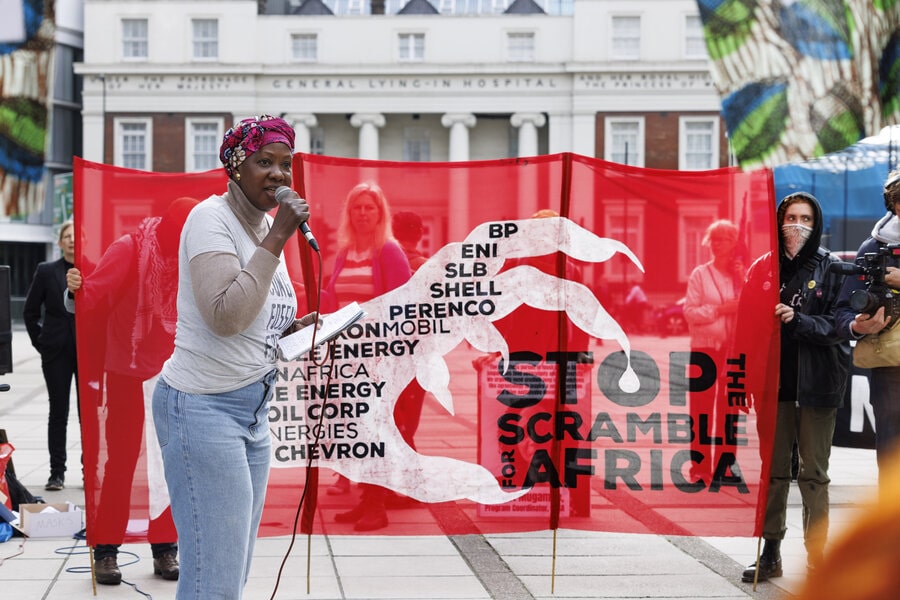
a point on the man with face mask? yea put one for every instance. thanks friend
(815, 363)
(884, 382)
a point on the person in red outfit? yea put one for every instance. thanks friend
(134, 285)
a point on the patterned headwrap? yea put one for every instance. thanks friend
(250, 135)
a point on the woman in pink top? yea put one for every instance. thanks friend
(369, 263)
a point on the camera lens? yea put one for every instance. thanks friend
(864, 301)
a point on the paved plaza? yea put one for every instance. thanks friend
(469, 567)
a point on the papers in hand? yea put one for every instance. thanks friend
(292, 346)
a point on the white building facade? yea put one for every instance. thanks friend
(445, 80)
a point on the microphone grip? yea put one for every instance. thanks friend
(281, 194)
(307, 233)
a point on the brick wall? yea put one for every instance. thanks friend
(168, 142)
(660, 137)
(168, 138)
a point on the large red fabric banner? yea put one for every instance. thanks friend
(536, 372)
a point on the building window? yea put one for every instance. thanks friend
(626, 38)
(66, 85)
(134, 39)
(622, 221)
(694, 41)
(317, 140)
(624, 141)
(520, 46)
(206, 38)
(698, 143)
(412, 47)
(133, 144)
(202, 144)
(66, 132)
(693, 219)
(416, 144)
(305, 47)
(345, 7)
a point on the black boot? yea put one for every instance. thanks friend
(769, 563)
(351, 516)
(374, 515)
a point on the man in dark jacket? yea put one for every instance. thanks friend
(884, 382)
(815, 363)
(52, 331)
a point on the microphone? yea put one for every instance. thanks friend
(280, 195)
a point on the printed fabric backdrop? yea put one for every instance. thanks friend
(535, 372)
(26, 61)
(800, 79)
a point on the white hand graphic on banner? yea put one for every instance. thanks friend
(453, 298)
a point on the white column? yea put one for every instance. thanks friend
(368, 124)
(301, 122)
(530, 199)
(93, 113)
(581, 129)
(459, 124)
(559, 133)
(527, 124)
(584, 136)
(93, 131)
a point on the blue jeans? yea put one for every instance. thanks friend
(216, 451)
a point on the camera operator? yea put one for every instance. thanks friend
(884, 382)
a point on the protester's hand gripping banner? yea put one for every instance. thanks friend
(533, 373)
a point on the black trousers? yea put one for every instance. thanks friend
(59, 372)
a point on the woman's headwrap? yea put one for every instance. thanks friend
(250, 135)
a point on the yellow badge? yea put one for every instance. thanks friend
(811, 284)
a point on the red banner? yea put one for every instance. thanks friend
(535, 372)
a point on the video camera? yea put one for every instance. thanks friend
(873, 267)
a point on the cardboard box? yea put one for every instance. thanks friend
(50, 520)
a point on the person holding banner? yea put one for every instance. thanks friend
(368, 264)
(884, 381)
(369, 261)
(408, 231)
(815, 364)
(713, 291)
(131, 286)
(210, 404)
(710, 309)
(51, 329)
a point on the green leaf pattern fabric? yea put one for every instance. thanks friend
(802, 78)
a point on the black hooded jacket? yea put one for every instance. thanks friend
(815, 360)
